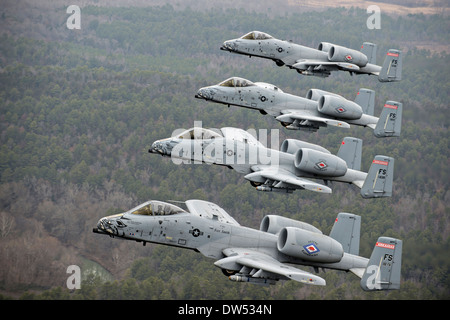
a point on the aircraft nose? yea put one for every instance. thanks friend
(155, 148)
(159, 147)
(103, 226)
(200, 93)
(229, 45)
(109, 225)
(205, 93)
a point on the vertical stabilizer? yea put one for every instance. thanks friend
(370, 50)
(366, 100)
(384, 268)
(346, 231)
(379, 180)
(351, 152)
(392, 67)
(390, 121)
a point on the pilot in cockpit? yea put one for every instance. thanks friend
(256, 35)
(156, 208)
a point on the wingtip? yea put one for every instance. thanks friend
(309, 279)
(317, 281)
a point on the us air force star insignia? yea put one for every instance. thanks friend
(196, 232)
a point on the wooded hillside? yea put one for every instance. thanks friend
(80, 108)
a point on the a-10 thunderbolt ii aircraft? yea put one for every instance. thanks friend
(260, 256)
(318, 62)
(319, 108)
(282, 170)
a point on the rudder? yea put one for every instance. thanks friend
(383, 270)
(379, 179)
(346, 230)
(351, 152)
(390, 122)
(392, 67)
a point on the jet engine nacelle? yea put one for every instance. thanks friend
(309, 246)
(343, 54)
(273, 224)
(292, 145)
(325, 46)
(319, 163)
(316, 94)
(339, 107)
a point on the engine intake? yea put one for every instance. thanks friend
(319, 163)
(339, 107)
(325, 46)
(343, 54)
(292, 145)
(315, 94)
(273, 224)
(309, 246)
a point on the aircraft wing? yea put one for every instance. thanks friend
(283, 176)
(266, 266)
(209, 210)
(296, 115)
(317, 64)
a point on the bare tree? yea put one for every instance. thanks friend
(6, 224)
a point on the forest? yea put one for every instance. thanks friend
(80, 108)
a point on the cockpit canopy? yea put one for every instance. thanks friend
(199, 134)
(236, 83)
(156, 208)
(256, 35)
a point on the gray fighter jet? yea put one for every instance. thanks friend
(282, 170)
(318, 62)
(260, 256)
(319, 108)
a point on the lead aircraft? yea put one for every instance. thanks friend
(260, 256)
(318, 109)
(318, 62)
(283, 170)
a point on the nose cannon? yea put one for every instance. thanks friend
(206, 93)
(109, 225)
(159, 147)
(155, 148)
(163, 147)
(229, 45)
(104, 226)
